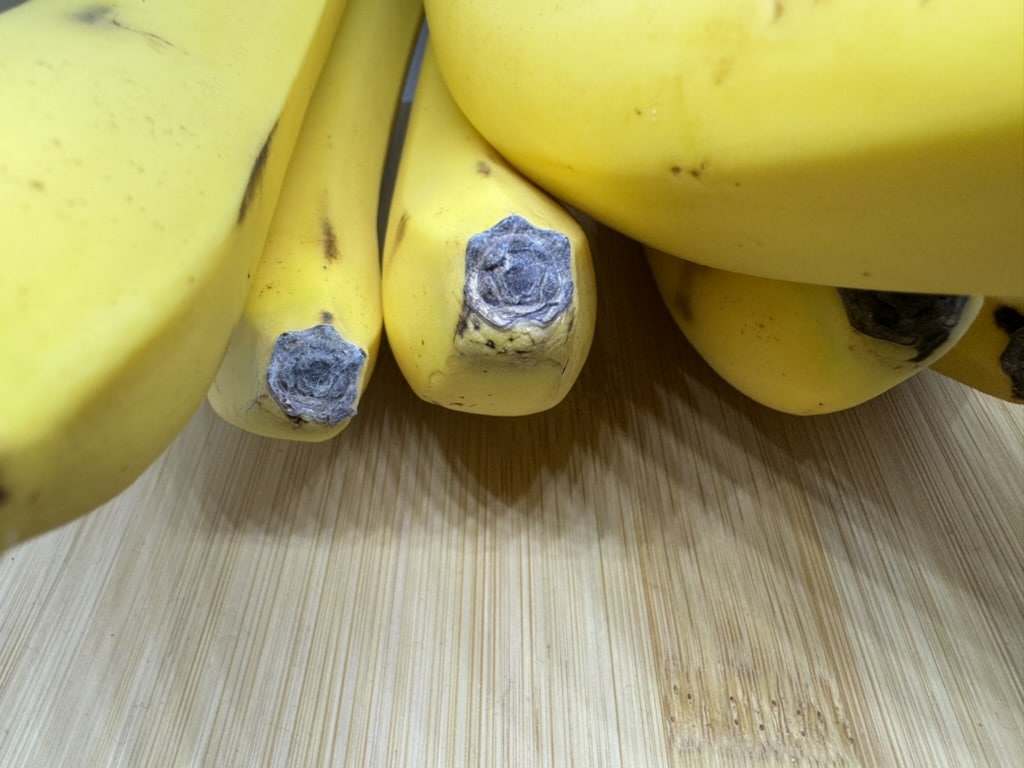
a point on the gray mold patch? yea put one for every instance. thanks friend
(314, 375)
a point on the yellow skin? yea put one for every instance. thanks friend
(866, 144)
(321, 262)
(144, 147)
(991, 350)
(789, 346)
(451, 185)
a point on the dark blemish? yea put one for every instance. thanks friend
(4, 496)
(1012, 363)
(917, 320)
(675, 170)
(92, 14)
(698, 171)
(1008, 318)
(313, 375)
(490, 344)
(329, 239)
(637, 111)
(483, 168)
(255, 175)
(104, 14)
(722, 70)
(400, 228)
(777, 10)
(150, 35)
(37, 185)
(326, 317)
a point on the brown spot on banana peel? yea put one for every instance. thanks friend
(99, 15)
(255, 174)
(918, 321)
(400, 228)
(329, 240)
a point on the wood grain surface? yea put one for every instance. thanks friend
(657, 572)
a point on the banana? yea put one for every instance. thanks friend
(872, 144)
(488, 286)
(305, 347)
(143, 147)
(807, 349)
(990, 355)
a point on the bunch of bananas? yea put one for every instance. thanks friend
(829, 194)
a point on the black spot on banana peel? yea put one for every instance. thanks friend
(313, 375)
(922, 322)
(255, 174)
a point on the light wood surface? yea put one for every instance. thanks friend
(656, 573)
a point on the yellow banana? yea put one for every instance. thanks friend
(990, 355)
(872, 144)
(802, 348)
(143, 146)
(305, 347)
(488, 285)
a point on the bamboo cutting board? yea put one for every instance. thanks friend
(656, 573)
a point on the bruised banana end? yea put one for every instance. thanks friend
(990, 355)
(754, 136)
(489, 292)
(304, 349)
(808, 349)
